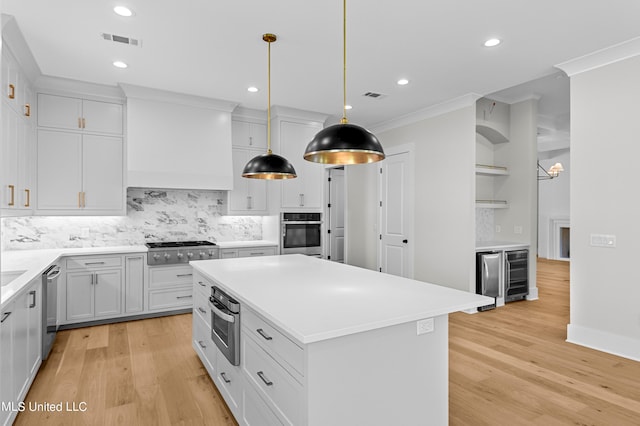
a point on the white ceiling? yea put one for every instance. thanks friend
(213, 48)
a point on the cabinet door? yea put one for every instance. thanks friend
(108, 290)
(239, 197)
(258, 138)
(61, 112)
(240, 133)
(59, 176)
(257, 191)
(6, 360)
(102, 117)
(34, 336)
(20, 344)
(102, 171)
(80, 304)
(10, 80)
(134, 283)
(10, 136)
(306, 190)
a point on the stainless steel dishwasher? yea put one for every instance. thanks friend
(49, 308)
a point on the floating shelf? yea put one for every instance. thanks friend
(491, 134)
(492, 204)
(487, 170)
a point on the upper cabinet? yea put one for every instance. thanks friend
(247, 134)
(69, 113)
(292, 132)
(177, 141)
(80, 156)
(18, 127)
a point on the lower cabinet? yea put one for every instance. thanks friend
(20, 348)
(170, 287)
(103, 287)
(228, 253)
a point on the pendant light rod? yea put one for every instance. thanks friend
(269, 38)
(344, 63)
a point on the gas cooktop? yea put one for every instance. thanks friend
(176, 252)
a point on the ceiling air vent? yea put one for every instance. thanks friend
(374, 95)
(121, 39)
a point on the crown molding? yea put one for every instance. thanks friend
(600, 58)
(150, 94)
(426, 113)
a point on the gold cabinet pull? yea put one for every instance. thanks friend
(27, 110)
(28, 193)
(12, 188)
(12, 91)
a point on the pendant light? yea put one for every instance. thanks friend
(344, 143)
(269, 165)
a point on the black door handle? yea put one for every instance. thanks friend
(405, 241)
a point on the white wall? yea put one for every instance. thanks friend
(553, 202)
(605, 134)
(444, 199)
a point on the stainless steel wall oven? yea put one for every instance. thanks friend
(225, 324)
(301, 233)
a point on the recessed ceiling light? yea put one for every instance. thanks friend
(123, 11)
(120, 64)
(402, 82)
(348, 107)
(492, 42)
(252, 89)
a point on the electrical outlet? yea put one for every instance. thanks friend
(498, 229)
(602, 240)
(517, 229)
(424, 326)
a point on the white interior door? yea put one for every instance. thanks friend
(396, 215)
(335, 223)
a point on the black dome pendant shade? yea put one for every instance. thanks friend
(269, 166)
(344, 143)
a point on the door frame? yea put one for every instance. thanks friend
(408, 148)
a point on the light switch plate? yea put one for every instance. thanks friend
(603, 240)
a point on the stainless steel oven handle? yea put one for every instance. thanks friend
(53, 275)
(219, 313)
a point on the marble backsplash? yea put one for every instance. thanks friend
(152, 215)
(484, 224)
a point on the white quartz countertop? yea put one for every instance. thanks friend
(312, 299)
(249, 244)
(35, 262)
(500, 245)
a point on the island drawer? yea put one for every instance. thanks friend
(282, 392)
(170, 276)
(83, 262)
(255, 411)
(201, 285)
(273, 341)
(228, 379)
(168, 299)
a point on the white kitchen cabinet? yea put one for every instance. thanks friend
(304, 192)
(17, 139)
(93, 288)
(249, 135)
(20, 348)
(70, 113)
(79, 173)
(228, 253)
(134, 266)
(170, 288)
(249, 196)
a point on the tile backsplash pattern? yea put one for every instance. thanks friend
(484, 224)
(152, 215)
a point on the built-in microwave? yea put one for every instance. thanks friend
(301, 233)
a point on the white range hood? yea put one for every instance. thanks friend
(177, 141)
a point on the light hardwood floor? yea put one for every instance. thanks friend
(509, 366)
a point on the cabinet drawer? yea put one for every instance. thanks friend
(228, 379)
(201, 309)
(282, 392)
(170, 276)
(258, 251)
(203, 345)
(284, 350)
(169, 299)
(201, 285)
(83, 262)
(228, 253)
(256, 412)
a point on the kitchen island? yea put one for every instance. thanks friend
(327, 343)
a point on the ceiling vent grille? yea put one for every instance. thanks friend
(374, 95)
(122, 39)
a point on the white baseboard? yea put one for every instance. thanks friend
(533, 293)
(614, 344)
